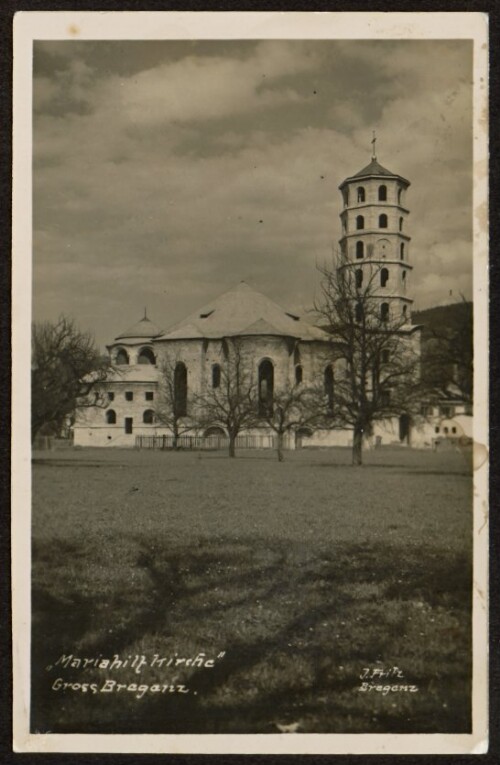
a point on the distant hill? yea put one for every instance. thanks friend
(447, 346)
(441, 317)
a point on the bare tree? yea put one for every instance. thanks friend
(291, 408)
(232, 402)
(172, 405)
(377, 367)
(66, 372)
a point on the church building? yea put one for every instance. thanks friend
(281, 348)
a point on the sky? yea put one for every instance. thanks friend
(165, 172)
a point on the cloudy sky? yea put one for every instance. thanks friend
(166, 172)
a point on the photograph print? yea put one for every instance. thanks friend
(252, 368)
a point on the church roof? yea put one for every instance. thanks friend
(374, 169)
(143, 329)
(242, 311)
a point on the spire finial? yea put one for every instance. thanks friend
(374, 139)
(145, 314)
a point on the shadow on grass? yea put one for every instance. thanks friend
(296, 628)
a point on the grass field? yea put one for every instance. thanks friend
(296, 578)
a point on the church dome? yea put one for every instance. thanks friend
(143, 329)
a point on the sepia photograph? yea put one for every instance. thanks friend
(253, 267)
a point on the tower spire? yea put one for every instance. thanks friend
(374, 139)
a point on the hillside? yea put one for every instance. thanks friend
(441, 317)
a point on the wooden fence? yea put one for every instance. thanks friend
(197, 443)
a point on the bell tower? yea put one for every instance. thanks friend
(374, 235)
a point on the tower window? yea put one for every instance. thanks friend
(358, 312)
(384, 311)
(122, 357)
(298, 374)
(148, 417)
(359, 278)
(400, 194)
(129, 395)
(111, 417)
(382, 221)
(360, 222)
(403, 276)
(361, 194)
(401, 224)
(266, 387)
(382, 193)
(402, 251)
(216, 376)
(360, 249)
(405, 311)
(384, 277)
(328, 381)
(345, 197)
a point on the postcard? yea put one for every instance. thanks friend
(250, 442)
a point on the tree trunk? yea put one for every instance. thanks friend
(279, 439)
(232, 445)
(357, 446)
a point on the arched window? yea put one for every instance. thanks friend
(215, 430)
(111, 417)
(358, 312)
(122, 357)
(148, 417)
(384, 277)
(402, 251)
(146, 356)
(266, 387)
(345, 196)
(361, 194)
(384, 311)
(382, 221)
(359, 277)
(328, 382)
(360, 249)
(403, 276)
(401, 224)
(215, 375)
(382, 193)
(298, 374)
(360, 222)
(400, 194)
(180, 389)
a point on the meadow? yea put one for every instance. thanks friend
(275, 590)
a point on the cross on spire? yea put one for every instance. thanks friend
(374, 139)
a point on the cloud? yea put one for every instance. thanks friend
(167, 184)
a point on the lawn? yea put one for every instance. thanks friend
(293, 580)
